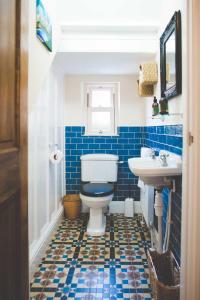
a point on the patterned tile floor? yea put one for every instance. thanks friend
(78, 266)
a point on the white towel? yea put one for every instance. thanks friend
(141, 184)
(145, 152)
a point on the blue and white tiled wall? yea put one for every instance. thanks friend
(126, 145)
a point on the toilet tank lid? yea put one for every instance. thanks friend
(100, 157)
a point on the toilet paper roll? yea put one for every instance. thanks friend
(56, 157)
(145, 152)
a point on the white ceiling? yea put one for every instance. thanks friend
(109, 12)
(100, 63)
(107, 36)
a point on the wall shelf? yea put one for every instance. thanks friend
(163, 117)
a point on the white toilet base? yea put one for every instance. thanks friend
(97, 222)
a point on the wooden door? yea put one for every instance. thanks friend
(13, 150)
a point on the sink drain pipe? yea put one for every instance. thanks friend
(162, 247)
(158, 206)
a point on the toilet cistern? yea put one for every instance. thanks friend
(98, 173)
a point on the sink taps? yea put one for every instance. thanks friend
(153, 153)
(163, 159)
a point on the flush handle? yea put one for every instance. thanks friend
(120, 162)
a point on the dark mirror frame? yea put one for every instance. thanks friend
(173, 26)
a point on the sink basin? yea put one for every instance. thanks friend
(152, 172)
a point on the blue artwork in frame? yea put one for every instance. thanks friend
(43, 25)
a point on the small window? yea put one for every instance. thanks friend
(101, 108)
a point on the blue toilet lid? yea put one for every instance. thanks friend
(97, 189)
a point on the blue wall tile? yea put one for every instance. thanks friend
(175, 237)
(167, 137)
(126, 145)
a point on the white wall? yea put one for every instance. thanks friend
(46, 181)
(175, 104)
(132, 107)
(40, 59)
(45, 127)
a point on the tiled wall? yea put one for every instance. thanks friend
(169, 138)
(164, 137)
(175, 237)
(127, 144)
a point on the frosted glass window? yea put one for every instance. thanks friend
(101, 98)
(101, 121)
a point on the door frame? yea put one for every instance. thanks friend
(190, 261)
(190, 258)
(23, 119)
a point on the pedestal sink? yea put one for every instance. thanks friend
(159, 174)
(152, 172)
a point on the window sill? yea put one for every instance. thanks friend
(99, 135)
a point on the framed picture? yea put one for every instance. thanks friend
(43, 25)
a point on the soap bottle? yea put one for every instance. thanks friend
(155, 107)
(163, 106)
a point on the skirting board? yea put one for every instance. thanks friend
(117, 207)
(38, 248)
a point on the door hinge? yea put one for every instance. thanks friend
(190, 139)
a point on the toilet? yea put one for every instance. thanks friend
(98, 173)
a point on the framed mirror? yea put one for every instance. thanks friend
(171, 58)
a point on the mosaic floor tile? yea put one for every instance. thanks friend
(77, 266)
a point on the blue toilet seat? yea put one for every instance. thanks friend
(97, 189)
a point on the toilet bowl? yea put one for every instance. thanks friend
(96, 196)
(98, 173)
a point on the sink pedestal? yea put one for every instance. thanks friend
(159, 173)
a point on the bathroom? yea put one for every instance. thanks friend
(111, 151)
(77, 74)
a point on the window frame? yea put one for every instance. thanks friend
(114, 110)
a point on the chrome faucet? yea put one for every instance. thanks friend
(153, 153)
(163, 160)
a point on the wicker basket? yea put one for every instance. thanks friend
(145, 90)
(164, 276)
(148, 73)
(72, 206)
